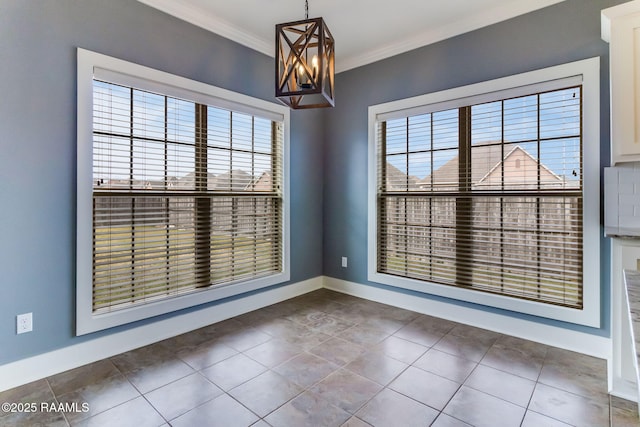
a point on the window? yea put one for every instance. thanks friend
(485, 194)
(187, 195)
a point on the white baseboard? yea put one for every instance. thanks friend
(558, 337)
(624, 389)
(43, 365)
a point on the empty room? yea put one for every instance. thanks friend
(319, 213)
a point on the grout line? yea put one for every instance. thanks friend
(55, 397)
(308, 305)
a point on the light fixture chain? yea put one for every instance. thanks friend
(306, 9)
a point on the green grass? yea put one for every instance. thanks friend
(517, 283)
(134, 265)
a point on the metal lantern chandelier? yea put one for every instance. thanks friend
(305, 64)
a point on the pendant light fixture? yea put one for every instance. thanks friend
(305, 64)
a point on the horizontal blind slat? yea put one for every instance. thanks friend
(149, 244)
(509, 219)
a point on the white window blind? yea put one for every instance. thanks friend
(486, 196)
(185, 196)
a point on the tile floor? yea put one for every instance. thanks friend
(328, 359)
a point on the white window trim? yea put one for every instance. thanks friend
(588, 71)
(90, 63)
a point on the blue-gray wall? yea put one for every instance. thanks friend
(38, 40)
(558, 34)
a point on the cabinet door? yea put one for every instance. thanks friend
(623, 373)
(625, 88)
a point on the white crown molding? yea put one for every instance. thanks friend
(614, 12)
(434, 35)
(198, 17)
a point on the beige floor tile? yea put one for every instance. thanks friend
(83, 376)
(223, 411)
(179, 397)
(534, 419)
(346, 390)
(421, 332)
(149, 377)
(377, 367)
(515, 360)
(244, 339)
(501, 384)
(392, 409)
(305, 369)
(99, 397)
(471, 348)
(338, 351)
(205, 354)
(446, 365)
(568, 407)
(425, 387)
(308, 410)
(330, 359)
(364, 335)
(355, 422)
(482, 410)
(445, 420)
(265, 393)
(134, 413)
(33, 392)
(400, 349)
(274, 352)
(233, 371)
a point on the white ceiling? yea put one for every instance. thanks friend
(364, 30)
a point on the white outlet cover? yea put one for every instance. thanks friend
(24, 323)
(344, 262)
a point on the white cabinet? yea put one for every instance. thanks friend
(621, 28)
(622, 371)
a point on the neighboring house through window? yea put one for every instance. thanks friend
(482, 192)
(188, 196)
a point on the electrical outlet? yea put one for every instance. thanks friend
(24, 323)
(344, 262)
